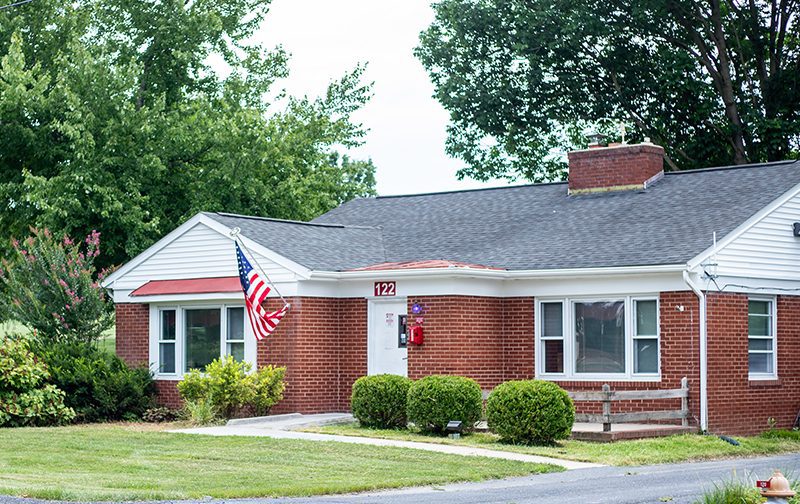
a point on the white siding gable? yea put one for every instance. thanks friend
(199, 252)
(767, 249)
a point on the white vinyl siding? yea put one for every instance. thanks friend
(768, 249)
(200, 252)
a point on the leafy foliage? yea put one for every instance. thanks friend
(268, 387)
(435, 400)
(200, 412)
(52, 286)
(380, 401)
(530, 412)
(228, 386)
(114, 116)
(715, 83)
(159, 414)
(99, 386)
(25, 398)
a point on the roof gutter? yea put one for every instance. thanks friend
(701, 296)
(493, 273)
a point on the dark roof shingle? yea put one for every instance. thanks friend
(533, 226)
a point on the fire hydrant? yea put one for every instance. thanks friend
(776, 489)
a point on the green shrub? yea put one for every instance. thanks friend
(268, 386)
(530, 412)
(380, 401)
(228, 386)
(200, 412)
(435, 400)
(99, 386)
(25, 398)
(160, 414)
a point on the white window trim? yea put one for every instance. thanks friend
(250, 347)
(773, 309)
(160, 341)
(568, 329)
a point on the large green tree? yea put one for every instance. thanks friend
(715, 82)
(129, 116)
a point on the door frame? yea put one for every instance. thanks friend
(371, 303)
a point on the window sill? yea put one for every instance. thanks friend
(167, 377)
(765, 382)
(601, 379)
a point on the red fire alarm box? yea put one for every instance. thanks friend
(415, 335)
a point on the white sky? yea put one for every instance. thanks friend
(406, 125)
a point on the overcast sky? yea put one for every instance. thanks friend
(407, 126)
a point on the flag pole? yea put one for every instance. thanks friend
(235, 235)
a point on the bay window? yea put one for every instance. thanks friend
(191, 337)
(761, 353)
(614, 338)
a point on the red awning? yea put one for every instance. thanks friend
(189, 286)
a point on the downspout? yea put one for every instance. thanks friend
(701, 296)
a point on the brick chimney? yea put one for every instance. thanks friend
(618, 167)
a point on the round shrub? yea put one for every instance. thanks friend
(435, 400)
(380, 401)
(530, 412)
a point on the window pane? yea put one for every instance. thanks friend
(202, 337)
(600, 337)
(166, 358)
(761, 363)
(236, 350)
(759, 325)
(646, 318)
(553, 323)
(646, 356)
(553, 356)
(235, 324)
(759, 344)
(168, 324)
(758, 307)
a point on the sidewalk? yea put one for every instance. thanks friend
(281, 427)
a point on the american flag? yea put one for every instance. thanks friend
(255, 292)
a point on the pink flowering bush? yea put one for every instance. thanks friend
(50, 284)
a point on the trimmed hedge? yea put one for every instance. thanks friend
(435, 400)
(380, 401)
(530, 412)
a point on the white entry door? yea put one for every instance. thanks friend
(386, 352)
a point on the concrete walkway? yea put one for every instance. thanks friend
(283, 427)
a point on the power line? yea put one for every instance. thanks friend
(15, 4)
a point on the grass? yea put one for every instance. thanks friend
(682, 448)
(106, 342)
(136, 462)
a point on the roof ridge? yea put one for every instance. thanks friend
(289, 221)
(731, 167)
(543, 184)
(479, 189)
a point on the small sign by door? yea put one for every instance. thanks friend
(385, 289)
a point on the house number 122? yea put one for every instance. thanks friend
(384, 288)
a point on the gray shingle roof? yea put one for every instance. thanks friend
(534, 226)
(327, 247)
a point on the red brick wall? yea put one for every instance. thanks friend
(323, 344)
(614, 166)
(168, 393)
(133, 333)
(463, 336)
(518, 338)
(736, 404)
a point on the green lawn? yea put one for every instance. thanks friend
(621, 453)
(135, 461)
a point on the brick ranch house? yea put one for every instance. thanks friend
(613, 277)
